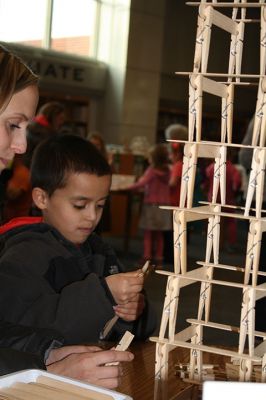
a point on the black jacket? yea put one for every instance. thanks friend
(23, 347)
(48, 282)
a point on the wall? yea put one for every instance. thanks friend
(131, 105)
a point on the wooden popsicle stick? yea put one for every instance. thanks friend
(109, 326)
(224, 22)
(73, 389)
(4, 396)
(221, 74)
(224, 4)
(213, 143)
(7, 395)
(145, 268)
(23, 394)
(57, 392)
(47, 392)
(213, 87)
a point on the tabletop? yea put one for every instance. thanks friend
(138, 376)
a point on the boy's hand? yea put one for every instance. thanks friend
(89, 364)
(131, 310)
(125, 286)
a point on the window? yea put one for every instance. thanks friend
(73, 26)
(23, 21)
(68, 27)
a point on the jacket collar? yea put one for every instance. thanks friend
(20, 221)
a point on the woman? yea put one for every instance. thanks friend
(25, 347)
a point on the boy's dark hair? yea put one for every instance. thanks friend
(57, 157)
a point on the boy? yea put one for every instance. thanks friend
(55, 272)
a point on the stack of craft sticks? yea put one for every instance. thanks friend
(46, 388)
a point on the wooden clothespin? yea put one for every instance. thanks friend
(123, 344)
(109, 325)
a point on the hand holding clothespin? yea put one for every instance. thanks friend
(110, 324)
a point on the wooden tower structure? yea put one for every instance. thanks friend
(211, 16)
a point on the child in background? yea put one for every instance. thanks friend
(56, 272)
(98, 141)
(154, 221)
(51, 115)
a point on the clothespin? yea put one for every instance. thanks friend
(123, 344)
(109, 325)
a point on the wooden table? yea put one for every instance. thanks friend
(138, 379)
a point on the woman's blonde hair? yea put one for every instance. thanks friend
(15, 76)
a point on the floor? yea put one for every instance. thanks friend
(226, 301)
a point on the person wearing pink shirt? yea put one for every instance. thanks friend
(154, 220)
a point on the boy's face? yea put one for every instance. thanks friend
(76, 209)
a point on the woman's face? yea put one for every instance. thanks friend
(13, 123)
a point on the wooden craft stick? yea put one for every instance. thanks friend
(14, 393)
(47, 392)
(145, 268)
(221, 74)
(73, 389)
(225, 5)
(223, 327)
(109, 326)
(213, 143)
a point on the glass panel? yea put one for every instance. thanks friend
(73, 26)
(22, 21)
